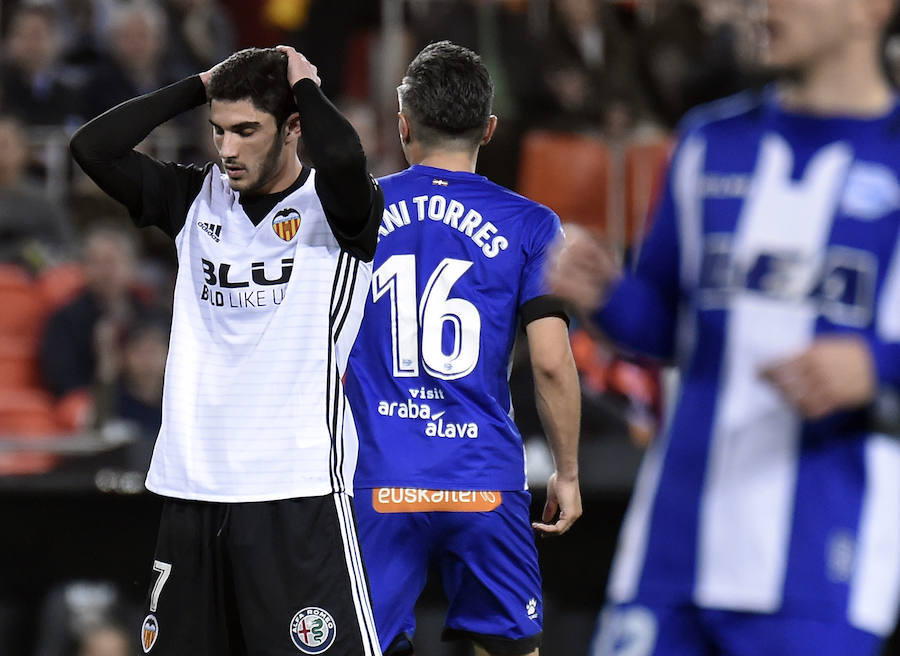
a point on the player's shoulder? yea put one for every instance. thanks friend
(724, 115)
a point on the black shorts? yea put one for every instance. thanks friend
(266, 578)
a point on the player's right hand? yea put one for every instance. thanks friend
(564, 496)
(581, 268)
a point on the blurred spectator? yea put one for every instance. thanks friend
(106, 640)
(589, 68)
(201, 35)
(130, 371)
(689, 54)
(69, 352)
(498, 30)
(33, 231)
(81, 25)
(85, 618)
(32, 86)
(324, 32)
(136, 39)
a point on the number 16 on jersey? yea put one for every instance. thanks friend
(432, 312)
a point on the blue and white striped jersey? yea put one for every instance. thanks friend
(460, 261)
(774, 227)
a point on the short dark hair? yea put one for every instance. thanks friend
(258, 75)
(447, 93)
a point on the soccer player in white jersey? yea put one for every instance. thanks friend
(766, 517)
(441, 478)
(257, 550)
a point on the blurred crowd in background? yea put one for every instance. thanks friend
(587, 92)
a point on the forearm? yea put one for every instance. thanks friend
(558, 400)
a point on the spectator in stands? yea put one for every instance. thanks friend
(81, 25)
(31, 85)
(588, 67)
(33, 231)
(689, 55)
(499, 31)
(109, 303)
(136, 40)
(201, 35)
(131, 365)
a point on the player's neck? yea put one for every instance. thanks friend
(847, 84)
(285, 177)
(449, 160)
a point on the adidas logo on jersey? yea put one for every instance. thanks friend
(212, 229)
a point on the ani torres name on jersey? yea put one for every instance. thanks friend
(449, 212)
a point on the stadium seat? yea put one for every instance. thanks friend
(569, 173)
(23, 308)
(645, 163)
(60, 284)
(18, 362)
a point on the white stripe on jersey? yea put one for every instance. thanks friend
(748, 497)
(253, 407)
(875, 586)
(358, 584)
(887, 323)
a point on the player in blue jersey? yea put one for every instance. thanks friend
(441, 475)
(766, 517)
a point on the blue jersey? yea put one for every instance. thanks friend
(774, 228)
(459, 263)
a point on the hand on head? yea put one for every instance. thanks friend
(299, 67)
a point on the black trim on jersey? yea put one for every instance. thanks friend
(543, 306)
(257, 207)
(334, 398)
(155, 193)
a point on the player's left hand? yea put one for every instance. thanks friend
(299, 67)
(563, 495)
(835, 373)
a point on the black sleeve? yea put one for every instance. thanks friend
(155, 193)
(352, 200)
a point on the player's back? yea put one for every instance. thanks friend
(459, 263)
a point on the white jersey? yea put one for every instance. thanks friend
(264, 319)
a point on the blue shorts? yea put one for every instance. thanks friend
(638, 630)
(487, 561)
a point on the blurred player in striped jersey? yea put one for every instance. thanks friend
(766, 518)
(441, 478)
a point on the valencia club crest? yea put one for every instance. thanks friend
(286, 223)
